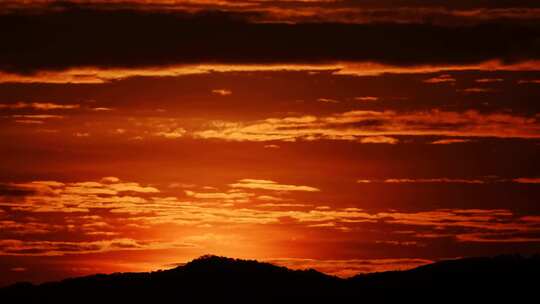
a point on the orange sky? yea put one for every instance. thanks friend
(353, 154)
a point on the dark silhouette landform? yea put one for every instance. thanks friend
(213, 279)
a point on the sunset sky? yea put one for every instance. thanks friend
(344, 135)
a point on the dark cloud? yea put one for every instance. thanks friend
(9, 190)
(78, 37)
(454, 4)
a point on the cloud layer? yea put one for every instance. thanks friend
(87, 37)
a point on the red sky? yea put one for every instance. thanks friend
(347, 136)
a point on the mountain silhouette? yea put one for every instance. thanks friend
(509, 278)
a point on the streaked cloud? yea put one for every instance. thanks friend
(81, 134)
(366, 98)
(433, 180)
(489, 80)
(222, 92)
(328, 100)
(529, 81)
(270, 185)
(379, 140)
(360, 124)
(476, 90)
(102, 109)
(445, 78)
(45, 106)
(96, 75)
(172, 133)
(450, 141)
(15, 247)
(447, 180)
(230, 196)
(527, 180)
(37, 116)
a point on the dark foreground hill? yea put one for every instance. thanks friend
(509, 279)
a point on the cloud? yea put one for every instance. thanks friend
(283, 205)
(222, 92)
(8, 189)
(366, 98)
(102, 109)
(364, 181)
(270, 185)
(28, 227)
(142, 30)
(447, 180)
(29, 121)
(446, 78)
(99, 75)
(404, 12)
(16, 247)
(327, 100)
(45, 106)
(434, 180)
(355, 125)
(379, 140)
(496, 238)
(37, 116)
(476, 90)
(110, 179)
(172, 133)
(489, 80)
(52, 196)
(529, 81)
(527, 180)
(231, 196)
(450, 141)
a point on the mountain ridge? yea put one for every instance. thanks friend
(209, 276)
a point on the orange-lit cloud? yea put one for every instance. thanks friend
(357, 124)
(172, 133)
(327, 100)
(96, 75)
(489, 80)
(366, 98)
(445, 78)
(270, 185)
(476, 90)
(450, 141)
(529, 81)
(54, 248)
(38, 106)
(434, 180)
(36, 116)
(525, 180)
(222, 92)
(446, 180)
(379, 140)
